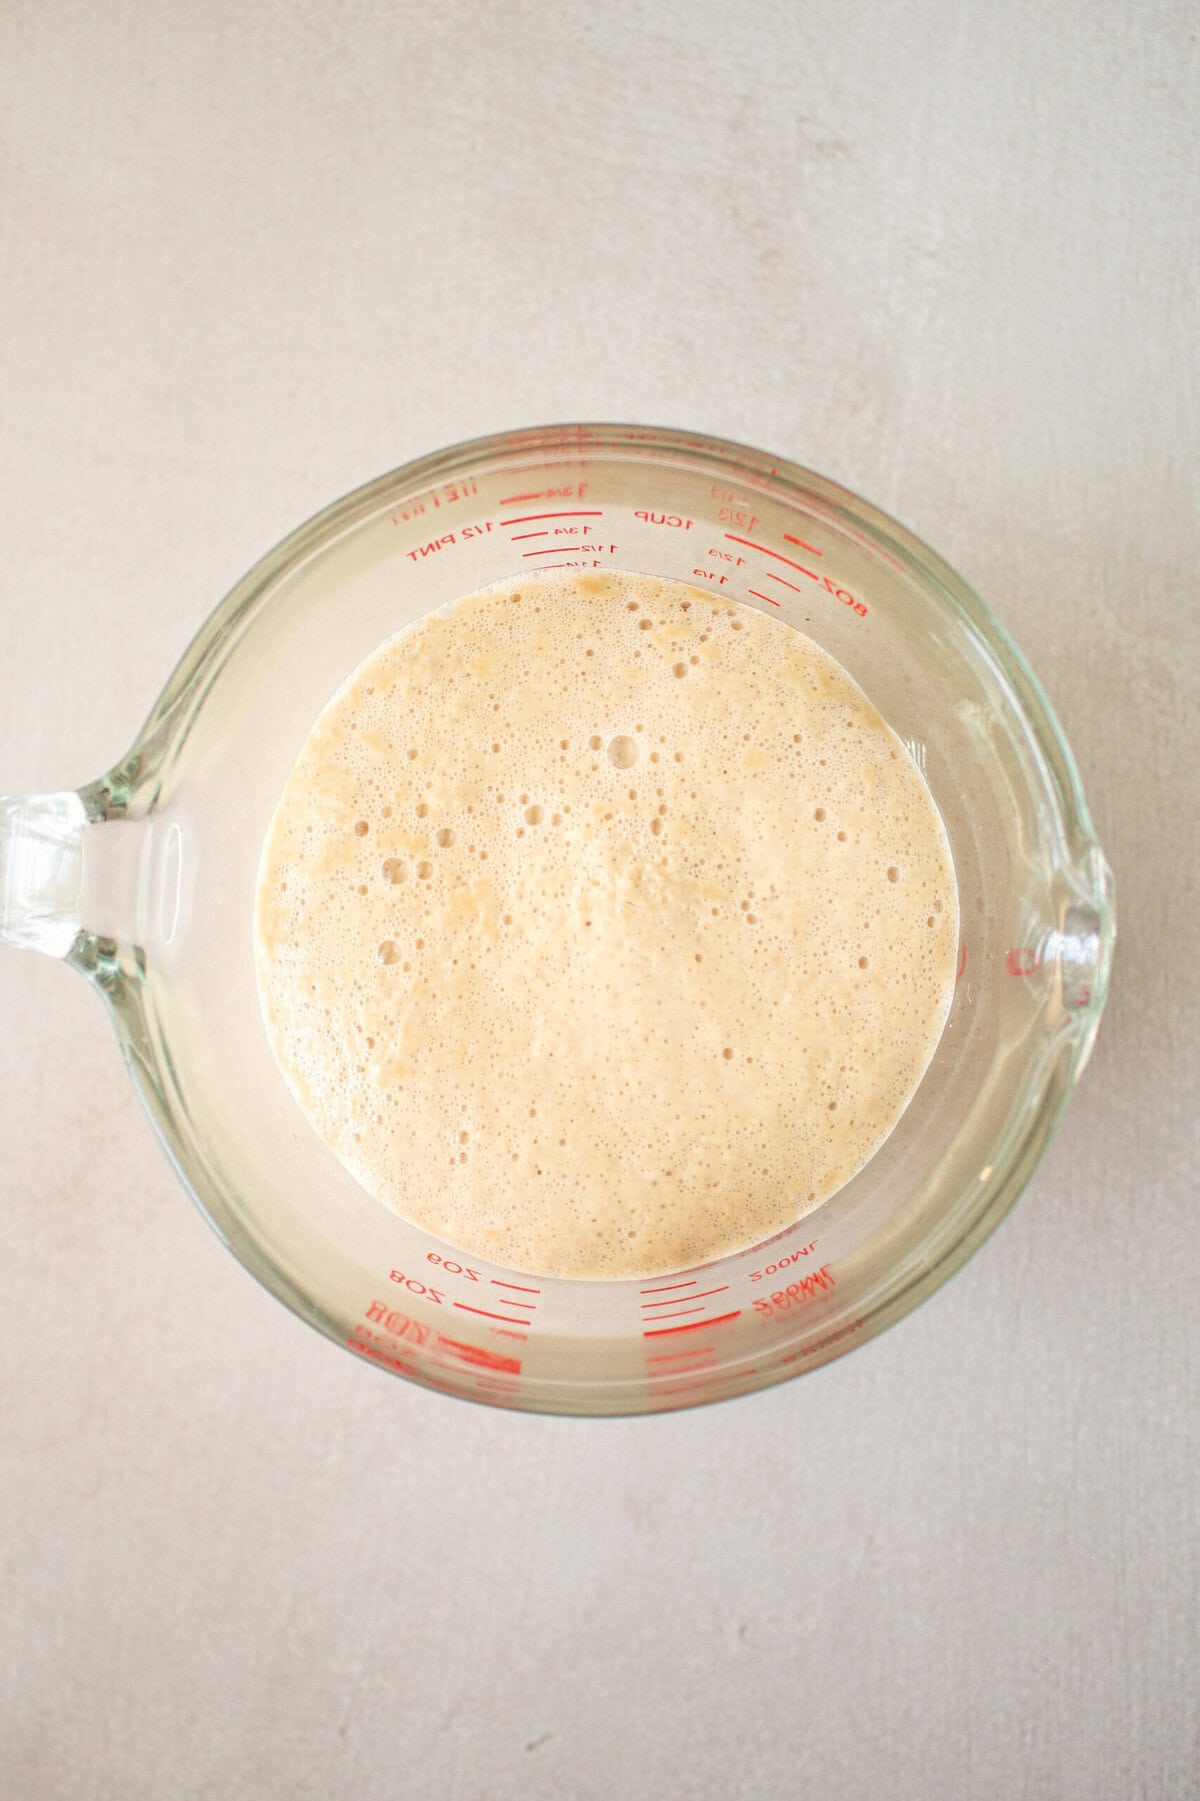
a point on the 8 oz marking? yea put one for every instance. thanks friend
(415, 1287)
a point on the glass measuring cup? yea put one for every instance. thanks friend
(145, 879)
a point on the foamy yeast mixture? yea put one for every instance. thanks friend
(603, 927)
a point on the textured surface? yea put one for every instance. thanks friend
(687, 1044)
(943, 252)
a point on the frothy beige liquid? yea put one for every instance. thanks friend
(604, 927)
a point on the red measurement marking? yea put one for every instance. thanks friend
(681, 1312)
(497, 1283)
(394, 1363)
(772, 577)
(570, 513)
(768, 552)
(505, 1302)
(505, 1318)
(772, 1269)
(690, 1283)
(447, 1388)
(832, 1338)
(962, 963)
(517, 536)
(1023, 962)
(514, 500)
(663, 1396)
(491, 1360)
(369, 1350)
(788, 539)
(553, 551)
(664, 1390)
(696, 1325)
(704, 1293)
(766, 597)
(668, 1385)
(691, 1355)
(797, 1294)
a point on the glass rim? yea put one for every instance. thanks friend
(215, 634)
(1051, 1079)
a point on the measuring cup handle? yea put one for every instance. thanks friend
(41, 870)
(52, 874)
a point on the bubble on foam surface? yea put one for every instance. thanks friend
(668, 1014)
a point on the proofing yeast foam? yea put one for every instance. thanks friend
(603, 927)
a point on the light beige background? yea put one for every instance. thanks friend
(944, 251)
